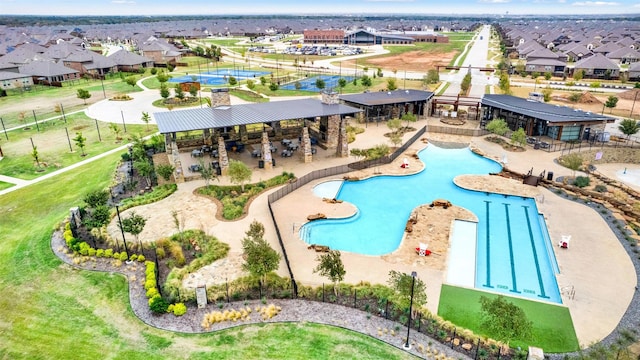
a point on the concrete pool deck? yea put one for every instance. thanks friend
(597, 278)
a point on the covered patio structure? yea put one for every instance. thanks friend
(385, 105)
(224, 127)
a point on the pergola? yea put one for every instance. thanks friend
(384, 105)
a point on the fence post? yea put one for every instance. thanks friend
(226, 283)
(453, 337)
(36, 120)
(322, 292)
(355, 296)
(477, 348)
(386, 310)
(419, 322)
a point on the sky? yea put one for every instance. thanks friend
(346, 7)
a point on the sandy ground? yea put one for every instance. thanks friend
(422, 61)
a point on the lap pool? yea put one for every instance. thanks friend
(513, 253)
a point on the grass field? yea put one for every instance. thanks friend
(49, 310)
(53, 145)
(552, 325)
(4, 185)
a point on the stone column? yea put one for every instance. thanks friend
(333, 131)
(206, 133)
(220, 97)
(244, 137)
(168, 143)
(222, 156)
(177, 163)
(342, 149)
(306, 145)
(266, 151)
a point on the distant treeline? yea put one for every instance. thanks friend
(42, 20)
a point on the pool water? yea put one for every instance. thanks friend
(220, 76)
(327, 189)
(513, 254)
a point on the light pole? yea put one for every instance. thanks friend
(406, 345)
(102, 82)
(126, 249)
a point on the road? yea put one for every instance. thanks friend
(476, 56)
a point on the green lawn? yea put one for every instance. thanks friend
(5, 185)
(552, 325)
(53, 145)
(49, 310)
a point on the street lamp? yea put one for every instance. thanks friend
(102, 82)
(406, 345)
(124, 240)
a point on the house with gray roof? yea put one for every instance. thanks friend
(598, 66)
(539, 119)
(624, 55)
(634, 71)
(48, 72)
(14, 80)
(128, 61)
(161, 52)
(91, 63)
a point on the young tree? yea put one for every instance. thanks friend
(165, 171)
(504, 84)
(35, 155)
(179, 93)
(330, 266)
(251, 84)
(519, 137)
(80, 142)
(263, 80)
(260, 257)
(207, 173)
(391, 84)
(546, 94)
(273, 87)
(400, 283)
(432, 77)
(96, 198)
(146, 118)
(504, 320)
(162, 77)
(164, 91)
(498, 127)
(578, 75)
(612, 101)
(394, 125)
(320, 84)
(144, 168)
(297, 85)
(342, 82)
(365, 81)
(409, 118)
(193, 91)
(134, 224)
(130, 80)
(115, 129)
(233, 81)
(84, 95)
(239, 173)
(629, 127)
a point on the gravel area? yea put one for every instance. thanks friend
(292, 310)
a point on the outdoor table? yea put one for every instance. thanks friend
(214, 153)
(286, 153)
(285, 141)
(292, 146)
(196, 153)
(194, 167)
(256, 153)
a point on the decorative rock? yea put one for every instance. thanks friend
(467, 346)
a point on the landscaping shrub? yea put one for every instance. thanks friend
(158, 193)
(179, 309)
(582, 181)
(158, 305)
(601, 188)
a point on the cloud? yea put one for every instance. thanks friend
(595, 3)
(494, 1)
(389, 0)
(123, 2)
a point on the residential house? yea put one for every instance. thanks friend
(624, 55)
(634, 71)
(91, 63)
(161, 52)
(128, 61)
(48, 72)
(13, 80)
(598, 66)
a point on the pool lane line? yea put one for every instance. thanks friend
(488, 279)
(535, 253)
(513, 267)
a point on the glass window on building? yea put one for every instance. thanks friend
(571, 132)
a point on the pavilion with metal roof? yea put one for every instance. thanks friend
(245, 114)
(541, 119)
(384, 105)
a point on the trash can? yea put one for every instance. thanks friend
(218, 171)
(261, 164)
(536, 146)
(550, 176)
(273, 162)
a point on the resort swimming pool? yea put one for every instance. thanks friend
(513, 253)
